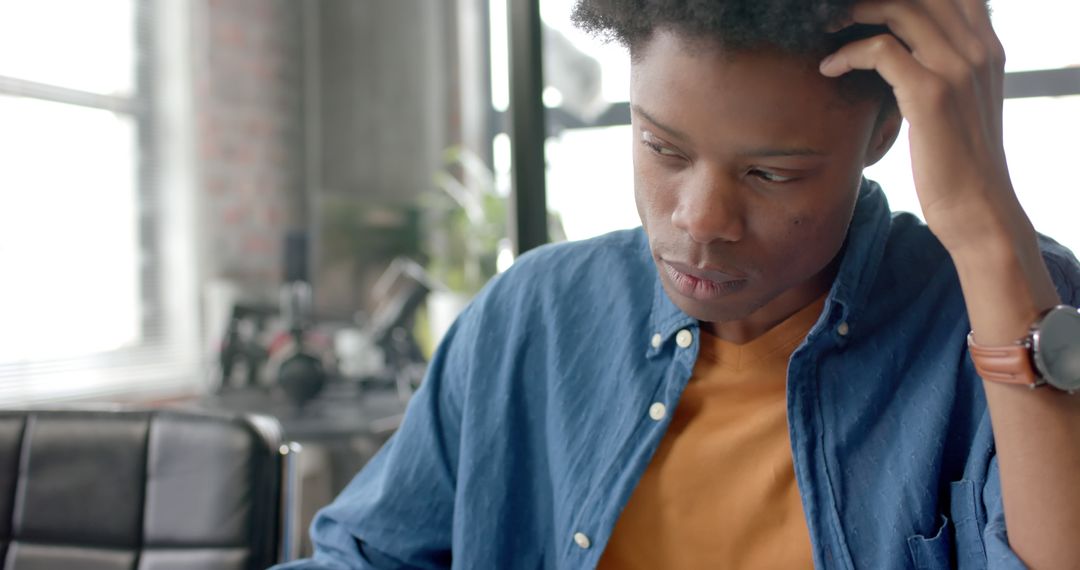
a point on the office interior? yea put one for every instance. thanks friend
(232, 232)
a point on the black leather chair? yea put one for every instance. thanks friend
(143, 490)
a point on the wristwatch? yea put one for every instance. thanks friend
(1048, 355)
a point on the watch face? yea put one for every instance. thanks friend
(1057, 348)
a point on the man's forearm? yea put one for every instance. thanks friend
(1037, 432)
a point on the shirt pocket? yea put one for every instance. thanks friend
(968, 521)
(934, 553)
(958, 542)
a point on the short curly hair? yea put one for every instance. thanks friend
(789, 26)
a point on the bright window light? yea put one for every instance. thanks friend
(500, 55)
(68, 231)
(1038, 34)
(590, 181)
(78, 44)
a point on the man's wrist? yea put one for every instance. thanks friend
(1005, 283)
(985, 228)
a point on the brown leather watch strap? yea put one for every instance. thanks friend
(1006, 364)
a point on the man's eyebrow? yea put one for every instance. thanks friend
(766, 152)
(774, 152)
(673, 131)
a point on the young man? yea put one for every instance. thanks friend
(775, 371)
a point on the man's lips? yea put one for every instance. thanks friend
(702, 284)
(704, 274)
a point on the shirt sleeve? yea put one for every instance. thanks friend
(1064, 270)
(397, 512)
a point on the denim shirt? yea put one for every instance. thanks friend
(532, 427)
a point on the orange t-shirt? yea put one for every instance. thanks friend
(720, 491)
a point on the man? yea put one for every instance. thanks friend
(775, 371)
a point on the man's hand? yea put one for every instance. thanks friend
(946, 67)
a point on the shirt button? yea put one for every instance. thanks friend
(657, 411)
(582, 540)
(843, 329)
(684, 338)
(657, 340)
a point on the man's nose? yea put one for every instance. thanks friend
(710, 209)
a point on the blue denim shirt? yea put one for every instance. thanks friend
(532, 427)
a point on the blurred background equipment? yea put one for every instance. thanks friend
(287, 349)
(403, 287)
(300, 373)
(242, 356)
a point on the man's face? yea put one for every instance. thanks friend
(746, 171)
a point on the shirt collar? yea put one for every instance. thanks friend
(863, 251)
(864, 248)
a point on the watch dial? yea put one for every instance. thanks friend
(1057, 350)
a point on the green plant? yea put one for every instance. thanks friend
(465, 220)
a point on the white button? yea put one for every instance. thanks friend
(582, 540)
(657, 340)
(657, 411)
(843, 329)
(684, 338)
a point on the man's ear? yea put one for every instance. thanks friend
(886, 129)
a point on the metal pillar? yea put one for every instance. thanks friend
(527, 125)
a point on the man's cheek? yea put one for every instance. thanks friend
(819, 238)
(806, 237)
(802, 226)
(654, 204)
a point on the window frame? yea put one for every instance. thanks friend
(166, 360)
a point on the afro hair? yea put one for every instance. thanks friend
(790, 26)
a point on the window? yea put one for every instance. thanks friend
(1037, 135)
(85, 302)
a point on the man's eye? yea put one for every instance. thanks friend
(656, 146)
(771, 176)
(662, 150)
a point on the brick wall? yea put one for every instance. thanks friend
(384, 105)
(248, 103)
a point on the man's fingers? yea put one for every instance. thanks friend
(968, 25)
(916, 28)
(882, 53)
(885, 54)
(958, 31)
(977, 13)
(943, 57)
